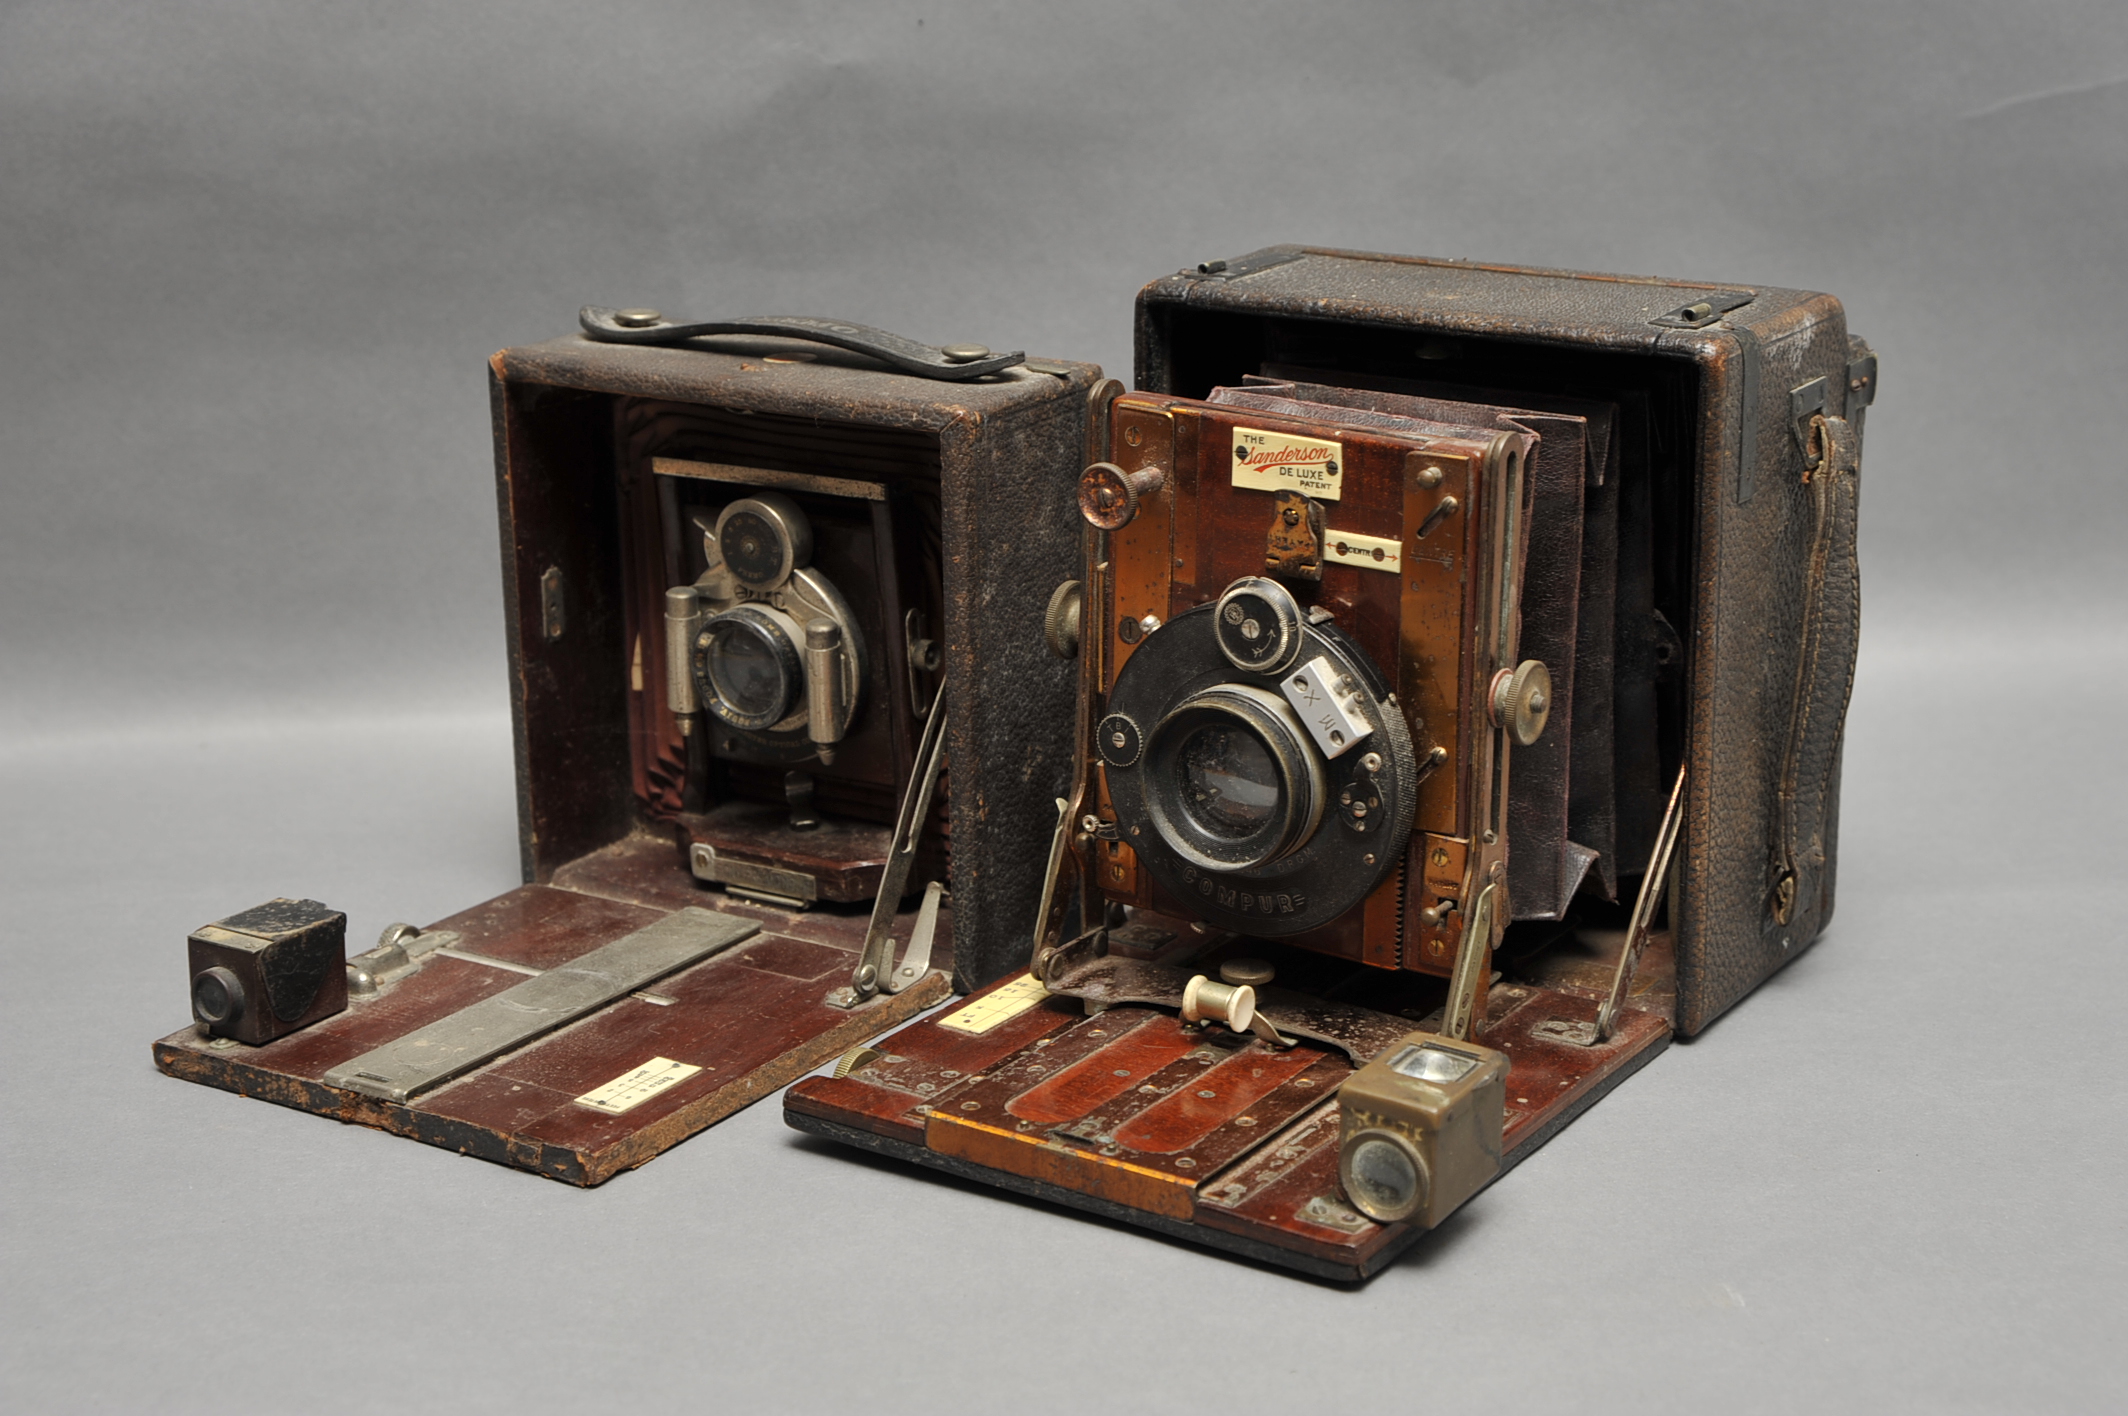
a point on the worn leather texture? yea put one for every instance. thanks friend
(1747, 514)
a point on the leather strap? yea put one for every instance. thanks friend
(1825, 676)
(957, 364)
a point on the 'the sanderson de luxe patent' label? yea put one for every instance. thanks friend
(1280, 462)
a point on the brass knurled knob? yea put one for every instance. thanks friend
(1060, 622)
(1109, 496)
(1522, 701)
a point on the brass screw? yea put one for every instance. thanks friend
(1431, 478)
(1133, 436)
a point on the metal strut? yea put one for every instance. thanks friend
(875, 972)
(1651, 890)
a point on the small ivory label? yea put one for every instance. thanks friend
(1283, 462)
(632, 1089)
(991, 1009)
(1366, 552)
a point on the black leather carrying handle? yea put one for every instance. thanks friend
(926, 361)
(1825, 677)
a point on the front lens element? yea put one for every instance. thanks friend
(747, 667)
(1382, 1176)
(746, 671)
(1231, 781)
(1230, 785)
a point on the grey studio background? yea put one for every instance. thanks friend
(253, 259)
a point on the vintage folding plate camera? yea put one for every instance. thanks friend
(1430, 611)
(763, 580)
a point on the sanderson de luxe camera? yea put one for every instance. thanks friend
(1430, 611)
(764, 580)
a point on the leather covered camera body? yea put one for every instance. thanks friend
(773, 597)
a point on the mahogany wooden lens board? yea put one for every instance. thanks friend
(629, 1079)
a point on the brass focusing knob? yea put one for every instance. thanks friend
(1109, 496)
(1522, 701)
(1060, 623)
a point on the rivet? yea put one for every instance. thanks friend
(637, 318)
(965, 353)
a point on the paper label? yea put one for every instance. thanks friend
(1284, 462)
(1366, 552)
(632, 1089)
(1001, 1006)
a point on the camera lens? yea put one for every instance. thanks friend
(747, 669)
(744, 669)
(1229, 782)
(217, 996)
(1383, 1175)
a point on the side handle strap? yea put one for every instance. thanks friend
(1825, 674)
